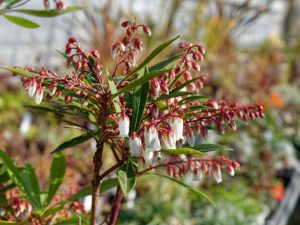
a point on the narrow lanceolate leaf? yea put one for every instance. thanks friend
(15, 175)
(211, 147)
(18, 71)
(48, 13)
(193, 98)
(183, 85)
(75, 141)
(57, 172)
(191, 189)
(138, 103)
(188, 151)
(30, 179)
(172, 95)
(21, 21)
(152, 55)
(126, 177)
(161, 65)
(113, 91)
(139, 81)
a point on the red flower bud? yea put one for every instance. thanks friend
(72, 40)
(125, 24)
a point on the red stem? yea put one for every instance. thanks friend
(116, 207)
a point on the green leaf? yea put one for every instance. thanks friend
(57, 172)
(21, 21)
(138, 103)
(113, 90)
(198, 107)
(126, 177)
(151, 56)
(139, 81)
(75, 141)
(192, 98)
(15, 175)
(191, 189)
(161, 65)
(176, 151)
(29, 177)
(18, 71)
(211, 147)
(2, 222)
(183, 85)
(48, 13)
(176, 79)
(172, 95)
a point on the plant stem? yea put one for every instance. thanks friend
(96, 182)
(116, 207)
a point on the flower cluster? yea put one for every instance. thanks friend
(19, 209)
(175, 114)
(202, 167)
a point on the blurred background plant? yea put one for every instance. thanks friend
(245, 61)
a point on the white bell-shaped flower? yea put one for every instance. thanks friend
(177, 125)
(135, 145)
(123, 126)
(152, 142)
(39, 94)
(32, 87)
(190, 137)
(148, 156)
(217, 173)
(168, 138)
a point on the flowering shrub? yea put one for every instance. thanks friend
(150, 116)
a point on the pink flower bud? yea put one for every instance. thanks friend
(187, 75)
(39, 94)
(95, 53)
(147, 30)
(212, 103)
(201, 49)
(230, 170)
(152, 142)
(138, 44)
(196, 66)
(123, 125)
(164, 87)
(232, 124)
(52, 89)
(135, 145)
(155, 89)
(182, 45)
